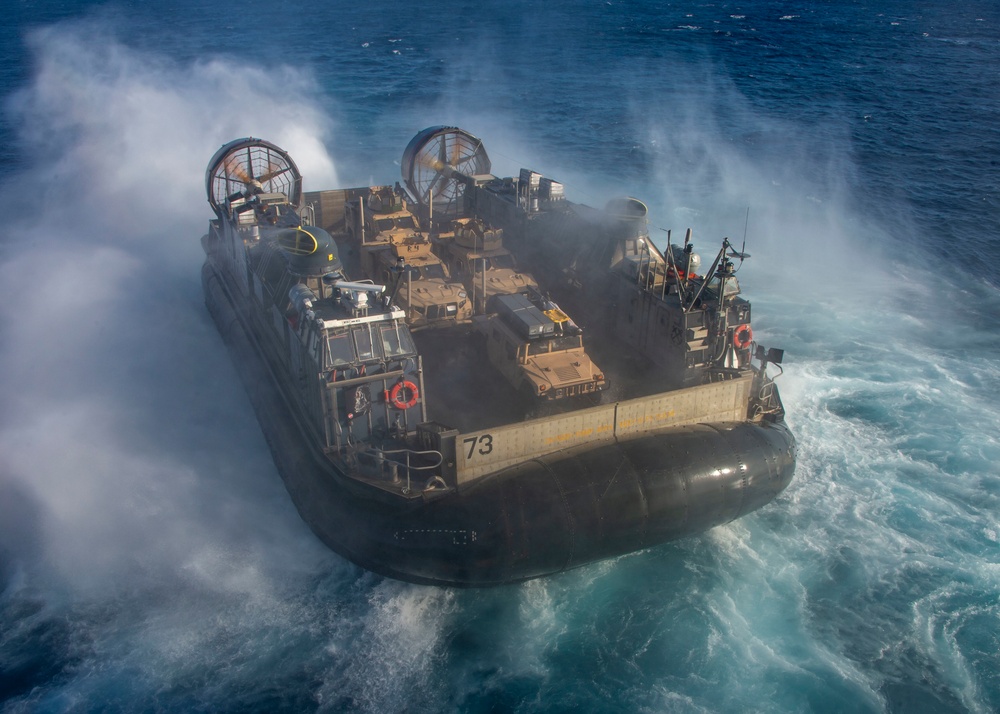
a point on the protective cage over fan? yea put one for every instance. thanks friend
(430, 164)
(245, 168)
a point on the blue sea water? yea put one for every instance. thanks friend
(150, 559)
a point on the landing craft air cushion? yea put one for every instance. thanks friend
(409, 453)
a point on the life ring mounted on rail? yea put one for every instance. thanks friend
(404, 394)
(742, 337)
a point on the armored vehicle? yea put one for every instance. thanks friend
(406, 456)
(387, 237)
(538, 348)
(477, 257)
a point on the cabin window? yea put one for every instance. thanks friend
(538, 348)
(340, 349)
(432, 272)
(502, 261)
(396, 341)
(363, 341)
(566, 342)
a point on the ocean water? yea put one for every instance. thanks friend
(150, 559)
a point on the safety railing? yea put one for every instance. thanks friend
(388, 463)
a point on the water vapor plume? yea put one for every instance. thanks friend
(725, 168)
(123, 428)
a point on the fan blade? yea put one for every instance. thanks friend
(431, 186)
(249, 169)
(273, 171)
(443, 151)
(235, 170)
(429, 162)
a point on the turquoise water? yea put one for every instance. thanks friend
(150, 558)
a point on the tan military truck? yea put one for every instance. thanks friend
(476, 256)
(538, 349)
(393, 251)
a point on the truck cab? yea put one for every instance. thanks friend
(538, 348)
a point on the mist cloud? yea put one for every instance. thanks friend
(123, 428)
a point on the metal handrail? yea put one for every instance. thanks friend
(379, 454)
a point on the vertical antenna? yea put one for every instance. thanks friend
(745, 224)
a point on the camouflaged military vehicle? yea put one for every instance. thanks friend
(476, 255)
(392, 250)
(538, 348)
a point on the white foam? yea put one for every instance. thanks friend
(100, 299)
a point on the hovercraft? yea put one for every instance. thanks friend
(469, 380)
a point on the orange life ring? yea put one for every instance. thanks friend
(404, 399)
(742, 337)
